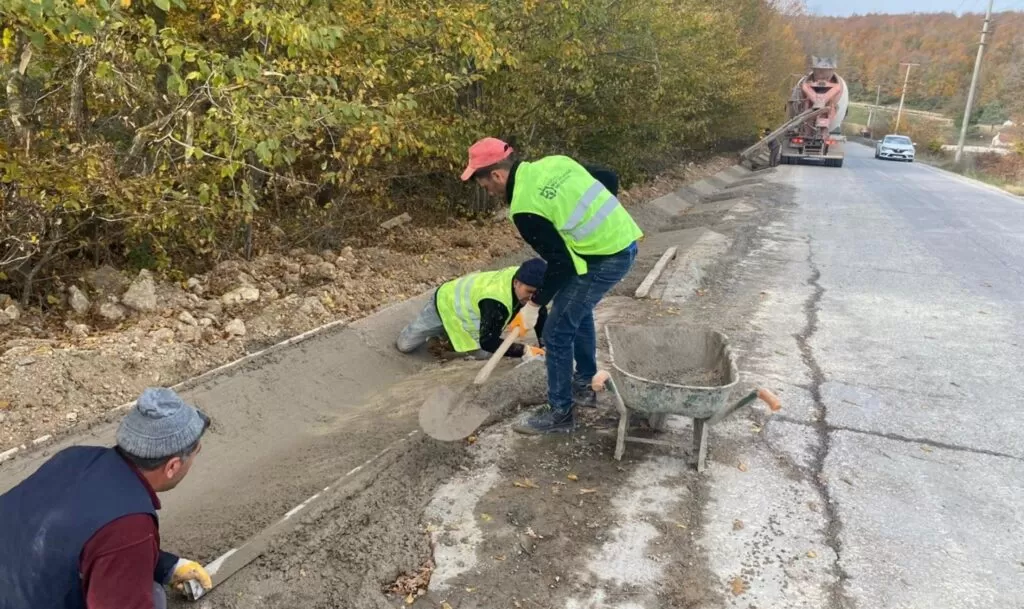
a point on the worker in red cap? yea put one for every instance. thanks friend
(570, 216)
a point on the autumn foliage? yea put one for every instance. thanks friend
(169, 133)
(870, 49)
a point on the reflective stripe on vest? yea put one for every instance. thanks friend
(468, 316)
(581, 230)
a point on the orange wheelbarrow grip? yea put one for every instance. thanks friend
(770, 398)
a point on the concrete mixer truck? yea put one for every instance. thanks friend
(815, 113)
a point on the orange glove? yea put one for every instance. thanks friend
(531, 353)
(525, 319)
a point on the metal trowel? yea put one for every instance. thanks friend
(450, 415)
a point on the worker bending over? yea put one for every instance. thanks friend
(570, 215)
(472, 311)
(82, 531)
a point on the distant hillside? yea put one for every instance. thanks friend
(870, 48)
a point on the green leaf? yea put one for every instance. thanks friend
(163, 5)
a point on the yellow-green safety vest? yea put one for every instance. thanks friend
(458, 304)
(587, 215)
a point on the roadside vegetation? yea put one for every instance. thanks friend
(170, 134)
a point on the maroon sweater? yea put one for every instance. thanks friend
(118, 561)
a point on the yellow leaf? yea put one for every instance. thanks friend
(50, 298)
(499, 557)
(486, 517)
(812, 554)
(573, 477)
(742, 467)
(445, 605)
(587, 491)
(471, 439)
(738, 586)
(524, 483)
(410, 599)
(5, 404)
(126, 3)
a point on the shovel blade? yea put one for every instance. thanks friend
(449, 416)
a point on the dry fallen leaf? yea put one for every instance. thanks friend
(680, 525)
(470, 589)
(445, 605)
(755, 429)
(499, 557)
(486, 517)
(524, 483)
(573, 477)
(587, 491)
(530, 533)
(927, 449)
(737, 525)
(471, 439)
(812, 554)
(738, 586)
(5, 404)
(410, 599)
(743, 467)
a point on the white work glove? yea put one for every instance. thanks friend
(526, 319)
(531, 353)
(185, 570)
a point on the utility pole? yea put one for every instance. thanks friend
(906, 79)
(974, 85)
(871, 113)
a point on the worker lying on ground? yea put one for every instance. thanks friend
(82, 531)
(572, 218)
(472, 311)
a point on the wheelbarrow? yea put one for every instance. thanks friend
(673, 370)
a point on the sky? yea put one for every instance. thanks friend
(843, 8)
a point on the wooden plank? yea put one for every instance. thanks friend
(645, 287)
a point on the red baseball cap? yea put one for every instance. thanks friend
(485, 153)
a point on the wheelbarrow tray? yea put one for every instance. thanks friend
(661, 370)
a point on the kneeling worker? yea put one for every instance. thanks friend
(82, 531)
(473, 310)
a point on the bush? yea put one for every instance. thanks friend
(189, 129)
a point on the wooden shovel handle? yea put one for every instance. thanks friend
(485, 372)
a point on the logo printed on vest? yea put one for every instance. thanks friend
(549, 190)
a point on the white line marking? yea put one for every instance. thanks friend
(295, 510)
(214, 566)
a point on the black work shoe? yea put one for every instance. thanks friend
(584, 397)
(547, 421)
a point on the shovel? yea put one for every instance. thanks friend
(450, 415)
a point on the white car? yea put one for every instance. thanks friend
(895, 147)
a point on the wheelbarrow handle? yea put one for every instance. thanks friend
(774, 404)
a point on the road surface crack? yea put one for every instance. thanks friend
(833, 523)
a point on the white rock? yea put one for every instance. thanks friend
(235, 327)
(271, 294)
(186, 318)
(313, 306)
(111, 311)
(206, 322)
(78, 300)
(71, 417)
(141, 294)
(241, 295)
(189, 334)
(80, 331)
(13, 312)
(163, 335)
(194, 285)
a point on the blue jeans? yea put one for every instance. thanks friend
(569, 333)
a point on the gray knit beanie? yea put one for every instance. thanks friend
(160, 425)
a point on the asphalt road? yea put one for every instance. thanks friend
(891, 321)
